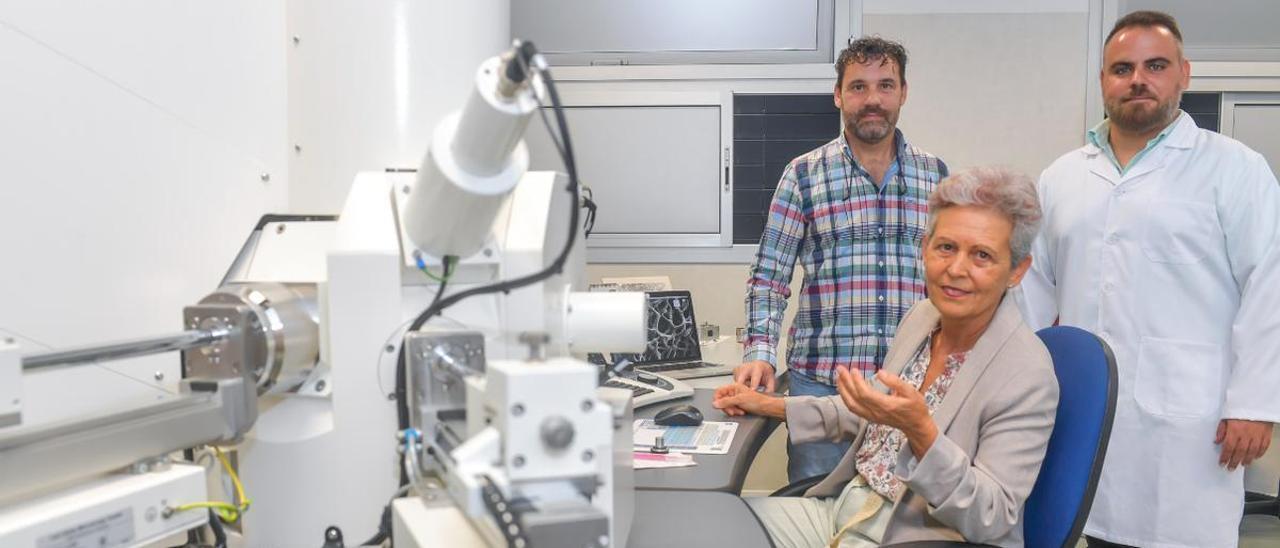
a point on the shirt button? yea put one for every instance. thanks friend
(879, 331)
(1112, 238)
(880, 298)
(1108, 287)
(879, 230)
(880, 264)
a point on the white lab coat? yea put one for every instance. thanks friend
(1176, 265)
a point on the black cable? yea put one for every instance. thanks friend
(402, 381)
(588, 198)
(526, 53)
(555, 268)
(384, 521)
(588, 201)
(555, 140)
(219, 535)
(384, 528)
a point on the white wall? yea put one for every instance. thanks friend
(973, 102)
(134, 143)
(369, 79)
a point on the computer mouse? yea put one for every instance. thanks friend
(678, 415)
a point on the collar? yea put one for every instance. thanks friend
(901, 153)
(1178, 134)
(1183, 133)
(899, 141)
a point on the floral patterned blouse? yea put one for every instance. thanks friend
(878, 454)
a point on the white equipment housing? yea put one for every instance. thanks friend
(296, 363)
(469, 174)
(372, 289)
(120, 509)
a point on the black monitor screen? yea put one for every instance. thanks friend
(672, 332)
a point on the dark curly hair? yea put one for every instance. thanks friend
(869, 49)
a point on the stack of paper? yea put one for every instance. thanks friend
(711, 438)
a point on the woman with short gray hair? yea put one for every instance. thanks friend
(919, 469)
(1004, 190)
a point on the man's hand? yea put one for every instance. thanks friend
(754, 374)
(903, 407)
(1242, 441)
(737, 400)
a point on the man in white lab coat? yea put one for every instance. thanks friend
(1164, 239)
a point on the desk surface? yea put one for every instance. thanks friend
(724, 473)
(689, 518)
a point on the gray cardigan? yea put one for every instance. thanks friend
(994, 426)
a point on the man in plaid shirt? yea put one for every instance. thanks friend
(852, 212)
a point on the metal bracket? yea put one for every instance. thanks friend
(439, 362)
(230, 358)
(318, 385)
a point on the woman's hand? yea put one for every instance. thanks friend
(902, 408)
(737, 400)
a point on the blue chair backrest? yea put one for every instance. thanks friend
(1060, 501)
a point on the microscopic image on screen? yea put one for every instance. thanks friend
(672, 331)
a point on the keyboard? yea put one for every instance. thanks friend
(687, 370)
(648, 393)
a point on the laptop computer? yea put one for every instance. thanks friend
(673, 348)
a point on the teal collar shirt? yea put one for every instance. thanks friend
(1100, 136)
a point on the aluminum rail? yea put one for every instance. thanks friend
(186, 340)
(38, 457)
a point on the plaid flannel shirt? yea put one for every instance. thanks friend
(859, 245)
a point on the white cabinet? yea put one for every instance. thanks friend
(1222, 30)
(655, 164)
(637, 32)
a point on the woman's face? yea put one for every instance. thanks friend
(967, 262)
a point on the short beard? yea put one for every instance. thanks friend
(870, 132)
(1143, 120)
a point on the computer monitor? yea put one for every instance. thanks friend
(672, 330)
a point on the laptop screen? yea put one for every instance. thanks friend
(672, 331)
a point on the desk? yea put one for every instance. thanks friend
(723, 473)
(690, 518)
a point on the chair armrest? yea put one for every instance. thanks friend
(1260, 504)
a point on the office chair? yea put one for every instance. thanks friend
(1059, 503)
(1260, 504)
(1055, 512)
